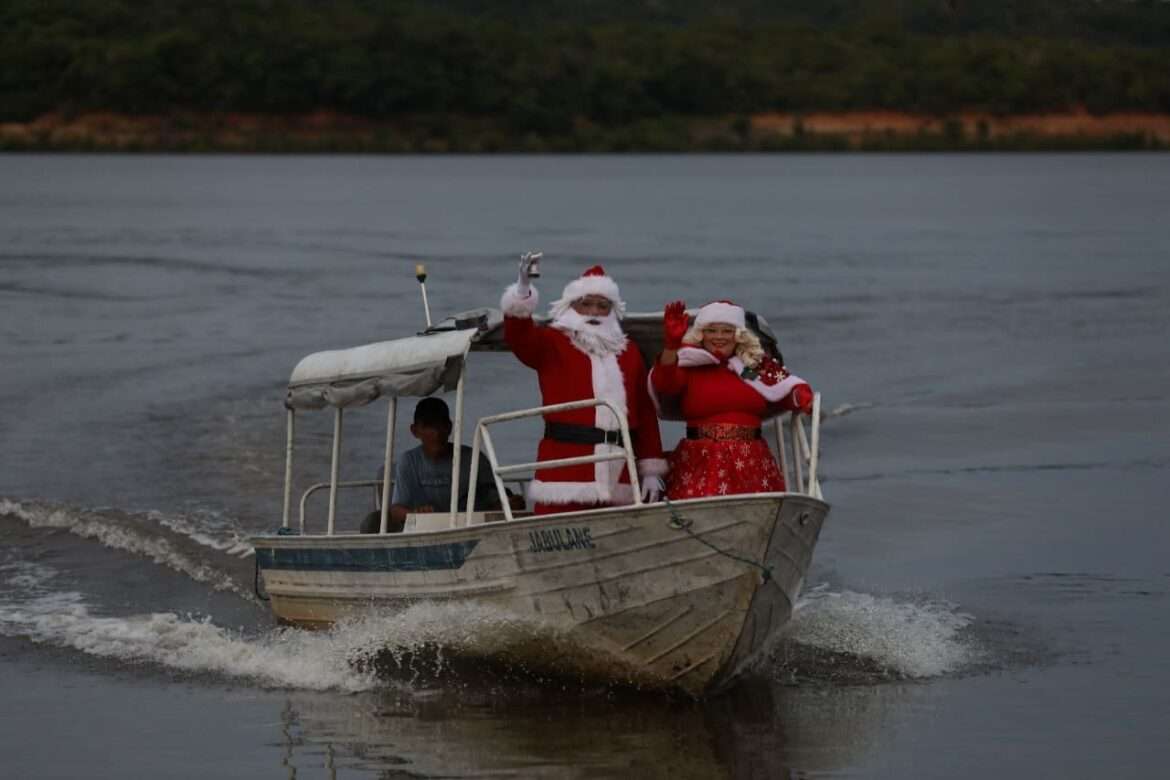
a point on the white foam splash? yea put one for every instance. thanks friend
(915, 639)
(92, 526)
(285, 658)
(449, 626)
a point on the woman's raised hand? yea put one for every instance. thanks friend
(674, 324)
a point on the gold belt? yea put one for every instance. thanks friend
(723, 432)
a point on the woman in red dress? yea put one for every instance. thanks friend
(724, 385)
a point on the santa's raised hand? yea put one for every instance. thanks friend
(527, 260)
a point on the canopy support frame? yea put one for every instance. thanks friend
(288, 467)
(333, 469)
(457, 436)
(388, 463)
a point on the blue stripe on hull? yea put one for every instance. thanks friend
(422, 558)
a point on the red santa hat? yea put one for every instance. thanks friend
(593, 282)
(720, 311)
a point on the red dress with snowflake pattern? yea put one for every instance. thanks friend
(710, 396)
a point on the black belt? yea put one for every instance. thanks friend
(581, 434)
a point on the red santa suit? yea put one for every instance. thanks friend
(572, 369)
(724, 404)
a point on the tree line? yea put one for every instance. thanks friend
(541, 67)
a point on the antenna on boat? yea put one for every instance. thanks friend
(420, 273)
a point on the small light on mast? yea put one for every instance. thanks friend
(420, 273)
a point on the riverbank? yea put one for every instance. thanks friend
(331, 132)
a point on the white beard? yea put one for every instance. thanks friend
(593, 335)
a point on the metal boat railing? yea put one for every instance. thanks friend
(805, 453)
(374, 483)
(498, 471)
(366, 483)
(800, 471)
(799, 454)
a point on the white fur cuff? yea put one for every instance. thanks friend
(653, 467)
(513, 304)
(578, 493)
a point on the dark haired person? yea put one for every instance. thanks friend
(422, 476)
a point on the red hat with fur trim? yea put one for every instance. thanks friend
(593, 282)
(720, 311)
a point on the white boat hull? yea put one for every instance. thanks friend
(632, 596)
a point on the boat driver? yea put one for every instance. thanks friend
(422, 477)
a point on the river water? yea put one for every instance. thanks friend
(990, 593)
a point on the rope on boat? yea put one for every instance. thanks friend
(680, 523)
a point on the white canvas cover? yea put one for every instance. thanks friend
(414, 366)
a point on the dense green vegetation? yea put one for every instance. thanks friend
(549, 67)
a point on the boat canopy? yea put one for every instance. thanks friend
(433, 360)
(413, 366)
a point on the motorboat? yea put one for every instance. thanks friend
(676, 595)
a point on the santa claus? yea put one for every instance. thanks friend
(582, 353)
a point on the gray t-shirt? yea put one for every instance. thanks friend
(419, 481)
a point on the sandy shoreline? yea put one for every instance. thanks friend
(328, 132)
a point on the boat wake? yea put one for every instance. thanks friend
(847, 408)
(834, 638)
(283, 658)
(856, 638)
(413, 647)
(177, 542)
(837, 638)
(437, 643)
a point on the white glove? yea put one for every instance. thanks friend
(527, 260)
(652, 489)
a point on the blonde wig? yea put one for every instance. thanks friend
(747, 345)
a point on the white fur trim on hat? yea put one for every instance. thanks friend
(515, 305)
(720, 311)
(593, 282)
